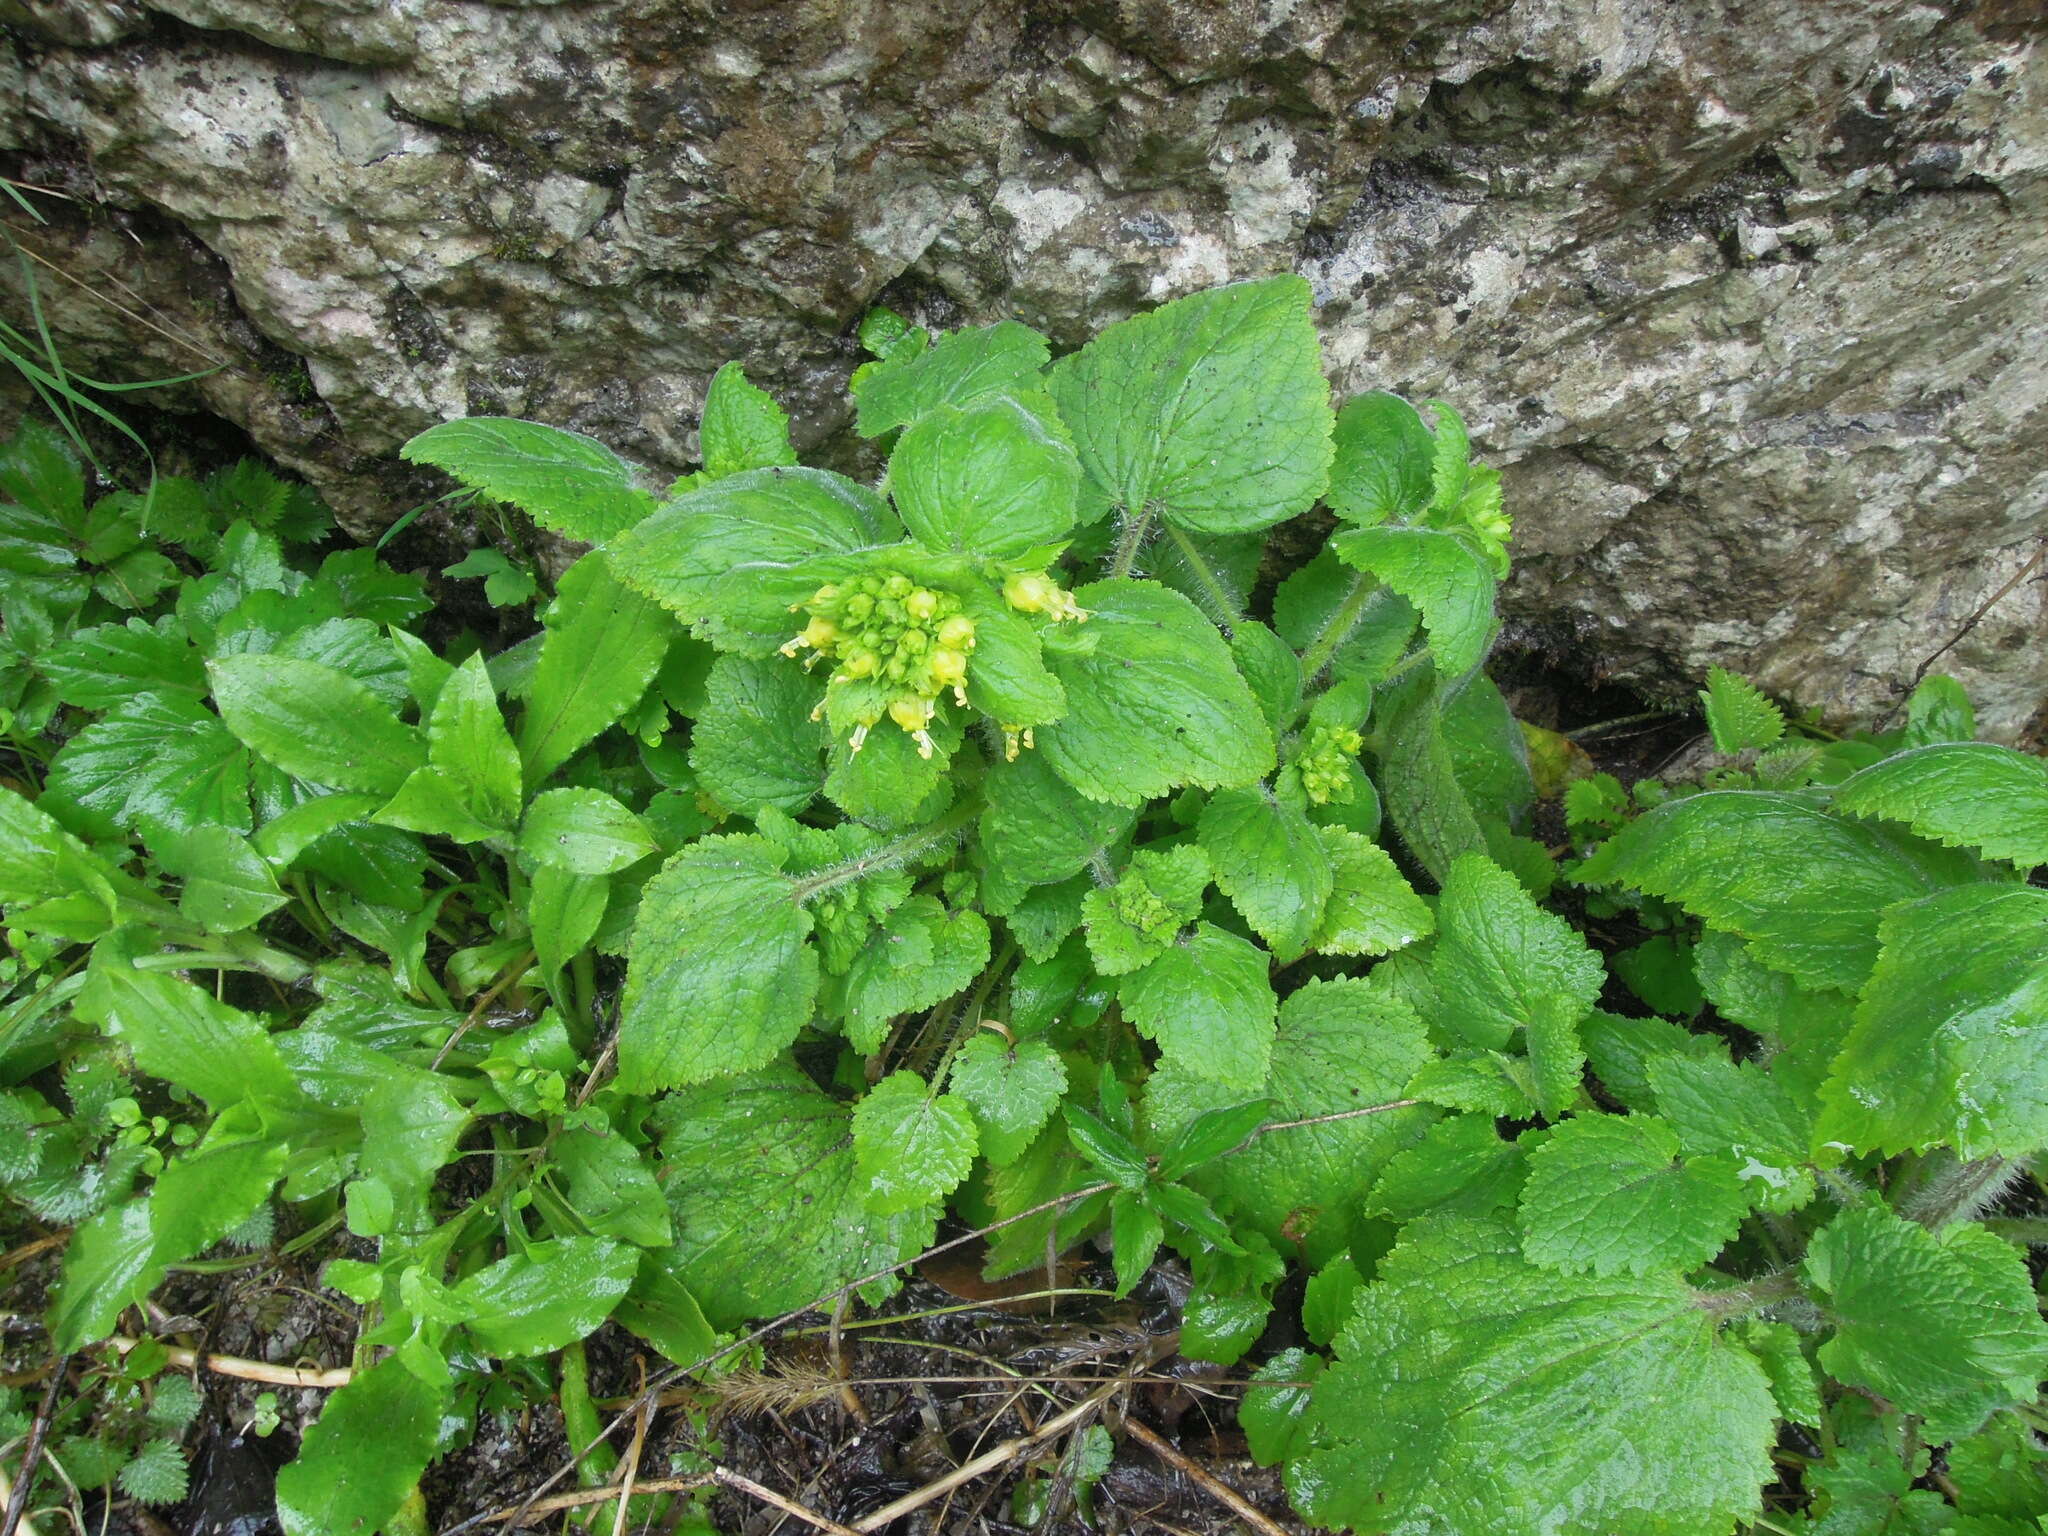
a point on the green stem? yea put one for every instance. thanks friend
(1952, 1190)
(904, 848)
(1753, 1297)
(1137, 527)
(1337, 627)
(1223, 606)
(2031, 1231)
(970, 1019)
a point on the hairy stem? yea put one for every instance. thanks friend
(1337, 627)
(1953, 1190)
(1218, 600)
(1136, 528)
(904, 848)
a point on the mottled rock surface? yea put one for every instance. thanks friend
(1750, 296)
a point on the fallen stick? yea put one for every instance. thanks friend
(1214, 1486)
(249, 1370)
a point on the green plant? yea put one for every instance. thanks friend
(972, 844)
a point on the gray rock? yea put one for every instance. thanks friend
(1745, 297)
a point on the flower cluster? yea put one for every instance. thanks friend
(1326, 763)
(898, 644)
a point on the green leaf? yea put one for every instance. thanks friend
(468, 743)
(755, 743)
(1739, 717)
(505, 584)
(552, 1294)
(355, 1466)
(584, 831)
(1208, 1003)
(1135, 1233)
(955, 370)
(1939, 710)
(431, 802)
(742, 428)
(719, 977)
(912, 1146)
(1037, 828)
(602, 645)
(885, 981)
(1460, 1166)
(162, 758)
(1112, 1152)
(568, 483)
(1608, 1193)
(1012, 1090)
(1441, 575)
(1950, 1043)
(1154, 701)
(227, 884)
(724, 555)
(412, 1122)
(106, 666)
(1272, 863)
(157, 1472)
(315, 722)
(988, 480)
(1450, 458)
(1418, 776)
(1477, 1394)
(1134, 921)
(1008, 677)
(1503, 964)
(1804, 887)
(1212, 410)
(180, 1033)
(660, 1309)
(1744, 1114)
(564, 910)
(1230, 1301)
(1271, 669)
(1372, 909)
(1341, 1045)
(1961, 794)
(768, 1206)
(1383, 457)
(1944, 1326)
(1776, 1347)
(1209, 1135)
(1272, 1414)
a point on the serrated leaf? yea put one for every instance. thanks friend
(1273, 1412)
(1271, 862)
(768, 1207)
(162, 758)
(315, 722)
(879, 986)
(550, 1295)
(1211, 411)
(1742, 1112)
(227, 885)
(1418, 776)
(1805, 888)
(956, 370)
(602, 645)
(987, 480)
(1962, 794)
(568, 483)
(1442, 1412)
(1012, 1089)
(1340, 1045)
(1459, 1166)
(1153, 701)
(755, 743)
(1037, 828)
(1209, 1004)
(1944, 1326)
(742, 426)
(912, 1146)
(1372, 909)
(1776, 1347)
(1133, 921)
(584, 831)
(1450, 458)
(1739, 717)
(468, 743)
(156, 1474)
(109, 664)
(720, 976)
(1608, 1194)
(1441, 575)
(1939, 710)
(356, 1465)
(1950, 1043)
(1383, 458)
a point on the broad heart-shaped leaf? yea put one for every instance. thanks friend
(1037, 828)
(988, 479)
(568, 483)
(1271, 862)
(1382, 467)
(1372, 909)
(720, 976)
(1741, 1112)
(1477, 1394)
(1607, 1193)
(1153, 700)
(910, 1145)
(315, 722)
(756, 743)
(1211, 411)
(1805, 888)
(1012, 1089)
(1739, 717)
(1950, 1043)
(1963, 794)
(742, 427)
(722, 554)
(951, 949)
(1341, 1045)
(1209, 1004)
(956, 370)
(161, 758)
(357, 1464)
(603, 644)
(549, 1296)
(1944, 1325)
(1502, 964)
(768, 1207)
(1441, 575)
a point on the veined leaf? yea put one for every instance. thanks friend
(1208, 1002)
(1382, 467)
(1272, 862)
(1739, 717)
(584, 831)
(1963, 794)
(1012, 1090)
(603, 644)
(315, 722)
(912, 1146)
(948, 951)
(1609, 1194)
(161, 758)
(742, 427)
(1372, 909)
(955, 370)
(1039, 829)
(357, 1464)
(1441, 575)
(988, 479)
(755, 743)
(551, 1295)
(566, 482)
